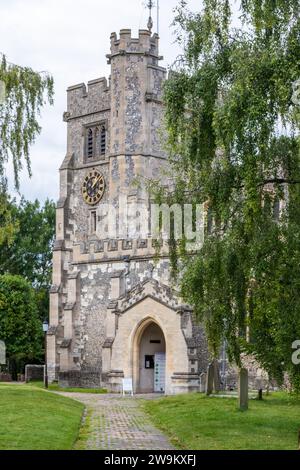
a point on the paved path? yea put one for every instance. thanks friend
(116, 423)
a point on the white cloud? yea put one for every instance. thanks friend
(70, 40)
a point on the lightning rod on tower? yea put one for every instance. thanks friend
(157, 26)
(150, 5)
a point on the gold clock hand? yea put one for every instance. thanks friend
(96, 181)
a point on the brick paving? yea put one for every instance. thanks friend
(117, 423)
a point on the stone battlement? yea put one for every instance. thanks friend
(95, 96)
(146, 43)
(99, 83)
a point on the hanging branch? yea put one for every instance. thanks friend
(24, 97)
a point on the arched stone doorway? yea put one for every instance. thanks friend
(150, 358)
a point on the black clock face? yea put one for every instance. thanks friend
(93, 188)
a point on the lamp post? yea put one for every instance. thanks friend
(45, 330)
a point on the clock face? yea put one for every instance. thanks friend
(93, 188)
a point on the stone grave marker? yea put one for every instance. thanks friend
(243, 396)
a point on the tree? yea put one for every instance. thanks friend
(233, 137)
(25, 263)
(20, 326)
(30, 253)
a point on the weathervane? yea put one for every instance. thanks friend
(150, 5)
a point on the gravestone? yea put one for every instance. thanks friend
(243, 397)
(217, 381)
(210, 379)
(202, 384)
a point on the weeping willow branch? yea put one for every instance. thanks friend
(26, 92)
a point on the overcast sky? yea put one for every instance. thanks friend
(70, 38)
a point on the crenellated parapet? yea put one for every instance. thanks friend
(116, 250)
(146, 44)
(93, 98)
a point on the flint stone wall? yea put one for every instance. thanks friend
(85, 378)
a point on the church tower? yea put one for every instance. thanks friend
(113, 312)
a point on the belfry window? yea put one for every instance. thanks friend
(95, 141)
(90, 144)
(102, 140)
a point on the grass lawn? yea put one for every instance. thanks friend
(33, 419)
(56, 388)
(195, 422)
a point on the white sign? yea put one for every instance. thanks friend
(160, 372)
(296, 92)
(2, 92)
(2, 353)
(127, 386)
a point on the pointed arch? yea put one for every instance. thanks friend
(140, 379)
